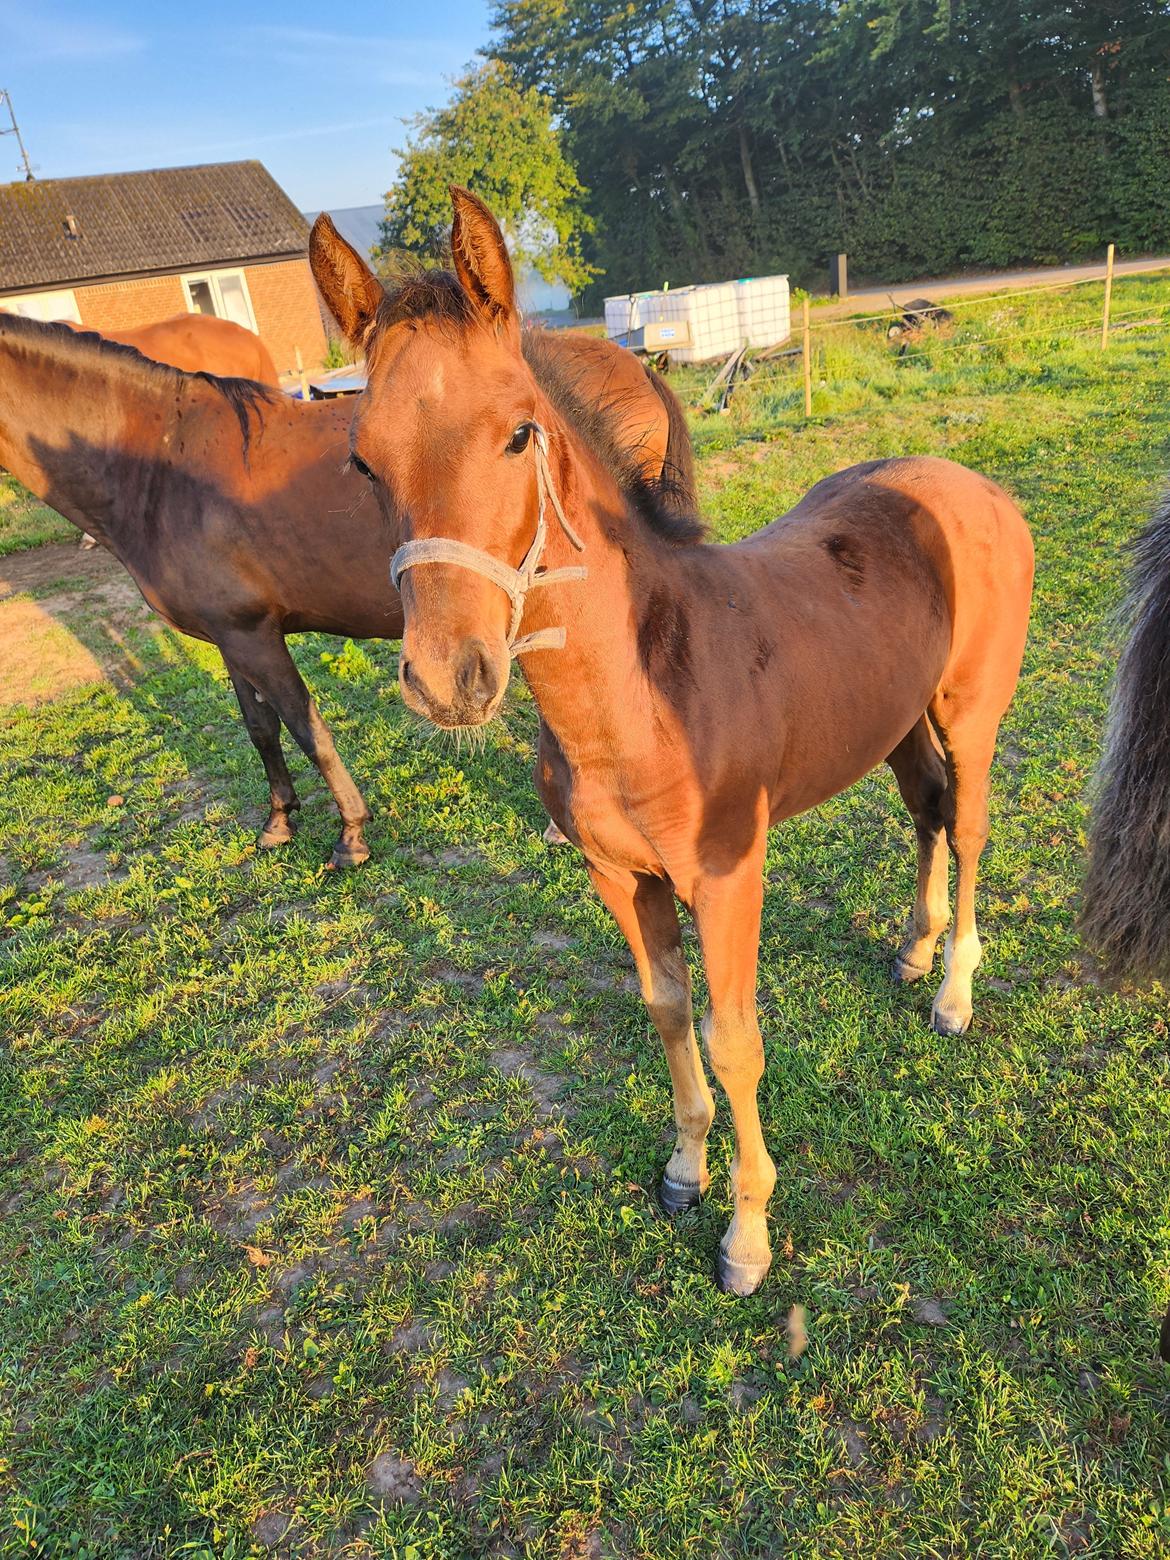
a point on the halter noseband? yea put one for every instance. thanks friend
(515, 583)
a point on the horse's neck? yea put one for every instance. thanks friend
(600, 670)
(63, 430)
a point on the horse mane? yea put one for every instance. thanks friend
(665, 503)
(246, 397)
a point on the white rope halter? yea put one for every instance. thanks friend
(515, 583)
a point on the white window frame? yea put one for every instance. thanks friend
(212, 279)
(57, 304)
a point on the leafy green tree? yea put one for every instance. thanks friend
(498, 138)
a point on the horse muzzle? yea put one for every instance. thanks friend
(466, 691)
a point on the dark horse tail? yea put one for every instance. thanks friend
(1125, 913)
(676, 485)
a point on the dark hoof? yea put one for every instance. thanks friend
(740, 1278)
(906, 972)
(351, 856)
(675, 1199)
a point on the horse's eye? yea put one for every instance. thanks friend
(359, 465)
(519, 441)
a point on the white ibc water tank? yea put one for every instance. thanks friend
(720, 316)
(714, 322)
(709, 312)
(617, 315)
(763, 306)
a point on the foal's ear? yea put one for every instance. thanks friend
(347, 284)
(482, 263)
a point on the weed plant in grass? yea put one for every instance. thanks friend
(329, 1222)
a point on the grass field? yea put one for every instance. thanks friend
(328, 1216)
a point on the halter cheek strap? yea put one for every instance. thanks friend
(515, 583)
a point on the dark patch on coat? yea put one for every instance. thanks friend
(765, 650)
(664, 642)
(848, 557)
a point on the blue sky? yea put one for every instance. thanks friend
(317, 93)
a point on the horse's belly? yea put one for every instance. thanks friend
(841, 740)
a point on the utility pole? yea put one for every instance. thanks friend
(6, 102)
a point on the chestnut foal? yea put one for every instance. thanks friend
(692, 695)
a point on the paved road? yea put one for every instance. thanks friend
(875, 300)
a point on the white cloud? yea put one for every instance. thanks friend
(242, 144)
(33, 34)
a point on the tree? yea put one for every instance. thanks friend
(500, 139)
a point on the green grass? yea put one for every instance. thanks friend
(328, 1198)
(25, 521)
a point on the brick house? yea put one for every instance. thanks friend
(122, 249)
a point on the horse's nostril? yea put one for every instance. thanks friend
(476, 676)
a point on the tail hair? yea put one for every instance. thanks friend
(1125, 911)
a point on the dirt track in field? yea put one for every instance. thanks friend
(64, 619)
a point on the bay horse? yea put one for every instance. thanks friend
(691, 694)
(235, 512)
(1125, 902)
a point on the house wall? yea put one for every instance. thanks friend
(123, 305)
(284, 301)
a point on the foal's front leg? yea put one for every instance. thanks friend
(727, 914)
(644, 909)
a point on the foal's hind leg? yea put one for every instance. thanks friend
(969, 743)
(263, 725)
(922, 779)
(644, 909)
(263, 659)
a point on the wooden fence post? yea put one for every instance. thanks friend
(1108, 297)
(807, 355)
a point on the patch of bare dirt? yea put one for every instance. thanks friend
(65, 617)
(727, 465)
(546, 1087)
(393, 1479)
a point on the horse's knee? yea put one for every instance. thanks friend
(967, 843)
(735, 1050)
(667, 993)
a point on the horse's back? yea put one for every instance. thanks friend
(979, 544)
(910, 524)
(887, 582)
(203, 344)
